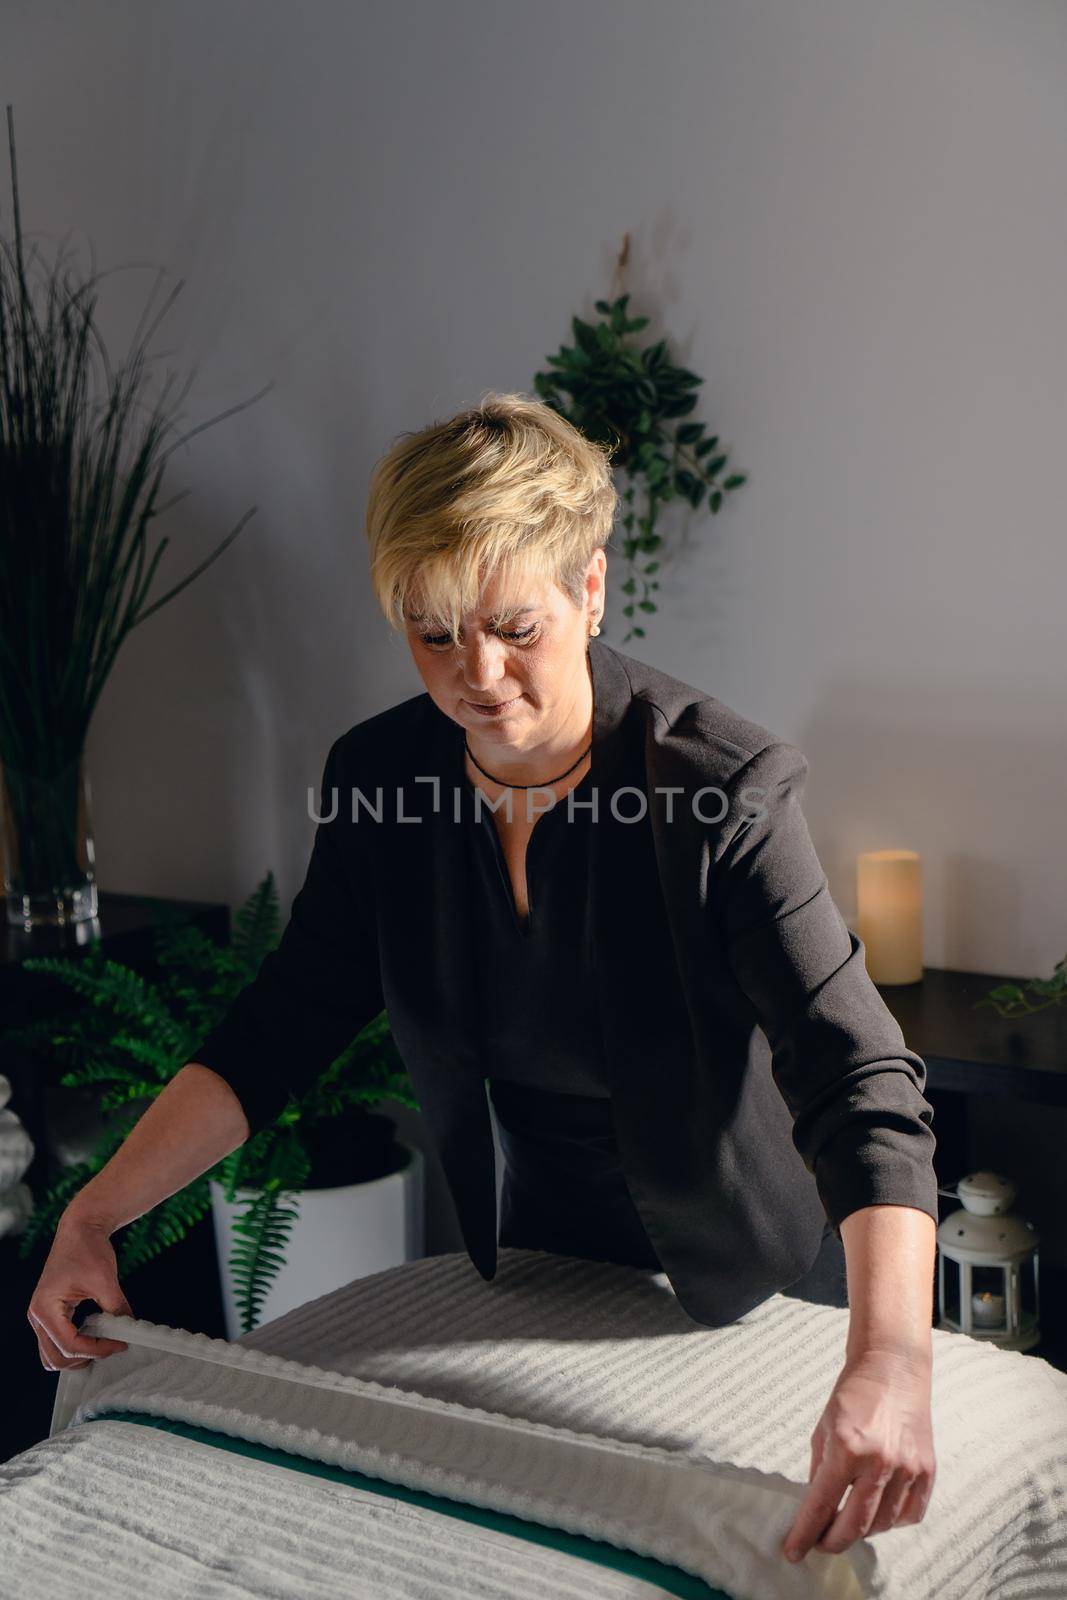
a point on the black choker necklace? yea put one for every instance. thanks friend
(546, 785)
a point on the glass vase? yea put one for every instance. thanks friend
(47, 845)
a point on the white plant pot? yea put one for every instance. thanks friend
(340, 1234)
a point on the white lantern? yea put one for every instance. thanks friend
(991, 1288)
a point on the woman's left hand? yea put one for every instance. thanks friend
(875, 1435)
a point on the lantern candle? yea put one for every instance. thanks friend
(987, 1310)
(889, 903)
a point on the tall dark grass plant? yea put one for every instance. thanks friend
(82, 458)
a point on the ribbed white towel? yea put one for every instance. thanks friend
(580, 1395)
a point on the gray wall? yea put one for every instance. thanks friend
(847, 214)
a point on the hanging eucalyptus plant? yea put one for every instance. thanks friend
(631, 400)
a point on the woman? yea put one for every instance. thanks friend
(590, 885)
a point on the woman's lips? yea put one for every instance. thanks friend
(499, 708)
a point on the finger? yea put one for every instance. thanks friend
(855, 1517)
(51, 1358)
(916, 1501)
(818, 1509)
(93, 1345)
(45, 1354)
(116, 1305)
(69, 1344)
(896, 1492)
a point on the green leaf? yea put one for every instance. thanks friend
(585, 336)
(1007, 992)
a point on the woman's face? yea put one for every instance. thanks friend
(529, 664)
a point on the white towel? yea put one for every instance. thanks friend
(580, 1395)
(133, 1513)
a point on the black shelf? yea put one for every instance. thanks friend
(971, 1051)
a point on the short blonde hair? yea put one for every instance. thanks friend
(509, 489)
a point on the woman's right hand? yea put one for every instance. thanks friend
(81, 1266)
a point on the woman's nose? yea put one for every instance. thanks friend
(483, 662)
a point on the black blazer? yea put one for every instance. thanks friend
(760, 1083)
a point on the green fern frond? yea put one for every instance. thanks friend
(256, 926)
(245, 1167)
(128, 1093)
(229, 1171)
(149, 1053)
(204, 974)
(262, 1230)
(45, 1031)
(188, 946)
(106, 983)
(94, 1070)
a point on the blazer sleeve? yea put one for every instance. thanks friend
(861, 1121)
(318, 988)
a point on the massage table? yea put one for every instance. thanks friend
(564, 1430)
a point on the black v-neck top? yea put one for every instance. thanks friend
(564, 1187)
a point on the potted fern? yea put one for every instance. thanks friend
(325, 1194)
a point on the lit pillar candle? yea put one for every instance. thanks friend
(890, 906)
(987, 1310)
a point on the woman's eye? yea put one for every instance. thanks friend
(438, 640)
